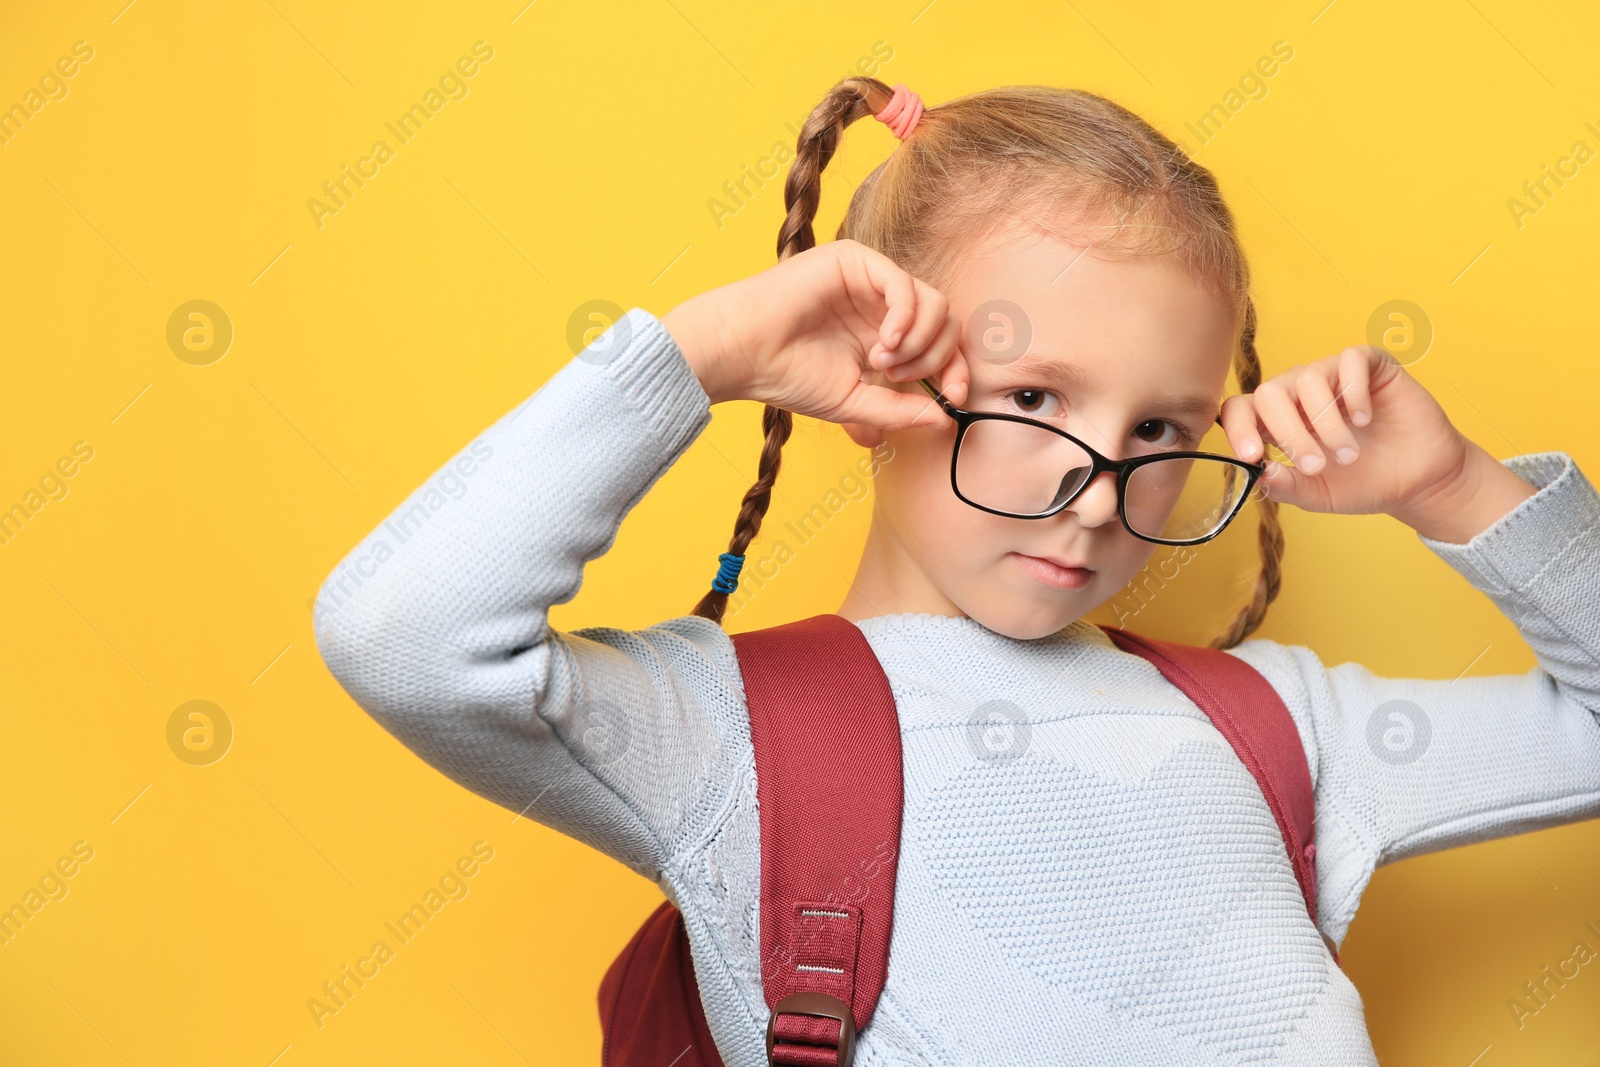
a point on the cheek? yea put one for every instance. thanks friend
(914, 489)
(915, 484)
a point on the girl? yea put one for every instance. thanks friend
(1120, 895)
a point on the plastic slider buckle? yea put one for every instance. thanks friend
(823, 1006)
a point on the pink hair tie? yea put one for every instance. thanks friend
(902, 111)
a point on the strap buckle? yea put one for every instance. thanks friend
(822, 1006)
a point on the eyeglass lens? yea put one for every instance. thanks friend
(1027, 470)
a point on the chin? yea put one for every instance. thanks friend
(1025, 618)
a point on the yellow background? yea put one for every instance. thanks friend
(181, 562)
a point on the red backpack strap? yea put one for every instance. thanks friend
(830, 793)
(1246, 710)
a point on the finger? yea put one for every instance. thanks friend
(955, 378)
(1280, 414)
(933, 308)
(1318, 402)
(1285, 484)
(933, 357)
(898, 289)
(1355, 383)
(1239, 423)
(891, 409)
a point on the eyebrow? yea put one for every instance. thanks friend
(1071, 376)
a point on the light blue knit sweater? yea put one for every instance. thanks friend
(1113, 891)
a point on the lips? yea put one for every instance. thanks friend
(1050, 570)
(1065, 564)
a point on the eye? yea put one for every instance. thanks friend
(1035, 403)
(1165, 434)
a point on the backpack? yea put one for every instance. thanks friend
(829, 790)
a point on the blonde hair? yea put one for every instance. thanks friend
(1019, 152)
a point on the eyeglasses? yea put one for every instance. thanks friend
(1025, 469)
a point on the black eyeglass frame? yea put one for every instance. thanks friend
(1123, 468)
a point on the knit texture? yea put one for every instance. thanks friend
(1087, 873)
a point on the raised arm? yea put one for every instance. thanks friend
(1404, 766)
(436, 623)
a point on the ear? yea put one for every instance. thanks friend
(864, 434)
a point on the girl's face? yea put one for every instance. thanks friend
(1118, 347)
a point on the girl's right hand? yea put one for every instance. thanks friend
(808, 334)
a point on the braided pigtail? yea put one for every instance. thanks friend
(851, 99)
(1269, 536)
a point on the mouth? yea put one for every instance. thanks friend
(1060, 573)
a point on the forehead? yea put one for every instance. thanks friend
(1130, 324)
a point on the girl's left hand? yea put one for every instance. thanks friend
(1403, 449)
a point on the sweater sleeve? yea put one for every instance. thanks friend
(436, 623)
(1404, 766)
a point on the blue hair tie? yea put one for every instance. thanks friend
(727, 579)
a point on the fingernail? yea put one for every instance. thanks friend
(1360, 418)
(1346, 455)
(1273, 467)
(1311, 464)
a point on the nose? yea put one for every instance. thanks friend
(1097, 504)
